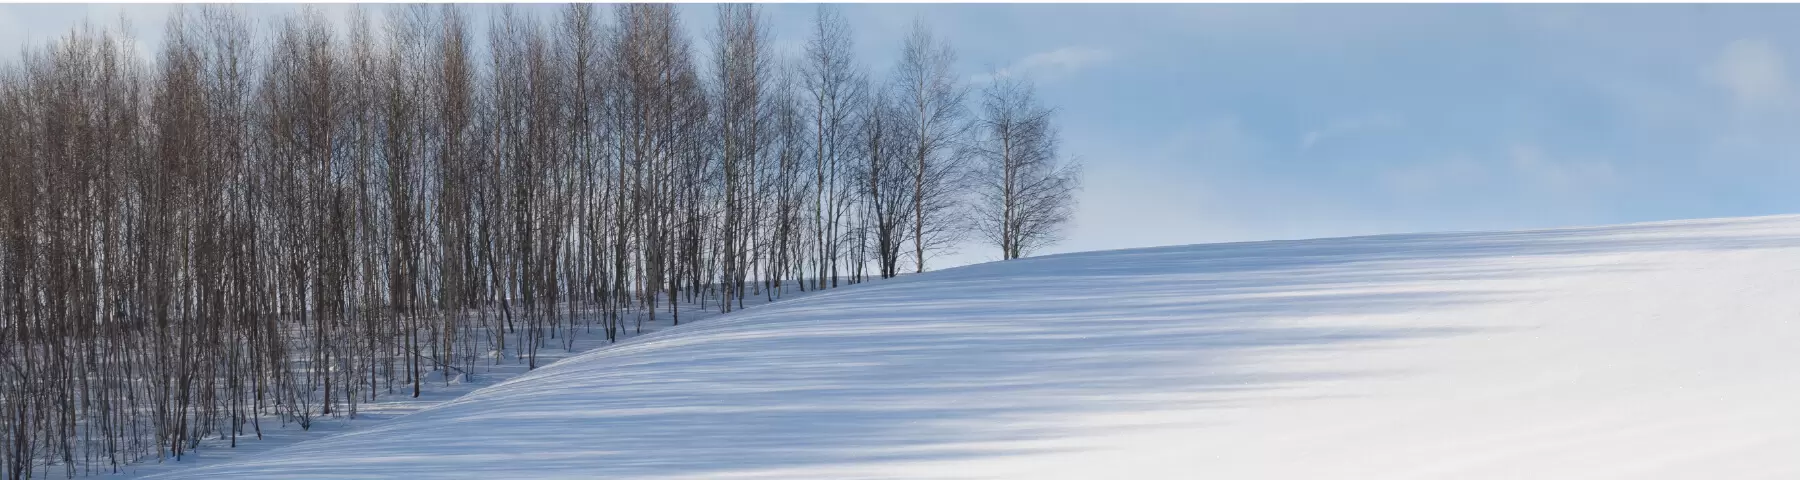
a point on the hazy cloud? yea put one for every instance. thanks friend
(1061, 61)
(1753, 72)
(1348, 126)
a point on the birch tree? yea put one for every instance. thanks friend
(1025, 188)
(931, 99)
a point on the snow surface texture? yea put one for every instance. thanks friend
(1665, 350)
(436, 389)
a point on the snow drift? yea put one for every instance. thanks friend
(1664, 350)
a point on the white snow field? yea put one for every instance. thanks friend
(499, 367)
(1664, 350)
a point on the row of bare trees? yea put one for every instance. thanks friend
(286, 221)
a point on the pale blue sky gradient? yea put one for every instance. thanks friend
(1203, 123)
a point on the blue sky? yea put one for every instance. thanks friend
(1202, 123)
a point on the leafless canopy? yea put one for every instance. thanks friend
(270, 222)
(1025, 189)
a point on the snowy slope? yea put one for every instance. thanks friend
(501, 366)
(1668, 350)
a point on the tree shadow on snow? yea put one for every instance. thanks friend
(973, 361)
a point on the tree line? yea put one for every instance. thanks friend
(283, 221)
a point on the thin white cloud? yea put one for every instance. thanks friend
(1753, 72)
(1349, 126)
(1061, 61)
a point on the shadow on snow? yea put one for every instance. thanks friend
(971, 361)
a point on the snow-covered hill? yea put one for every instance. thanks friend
(1666, 350)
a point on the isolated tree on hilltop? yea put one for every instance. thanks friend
(1025, 189)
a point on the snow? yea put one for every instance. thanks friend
(434, 390)
(1662, 350)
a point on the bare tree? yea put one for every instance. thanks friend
(1026, 189)
(278, 226)
(932, 100)
(742, 69)
(884, 184)
(581, 51)
(788, 185)
(834, 90)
